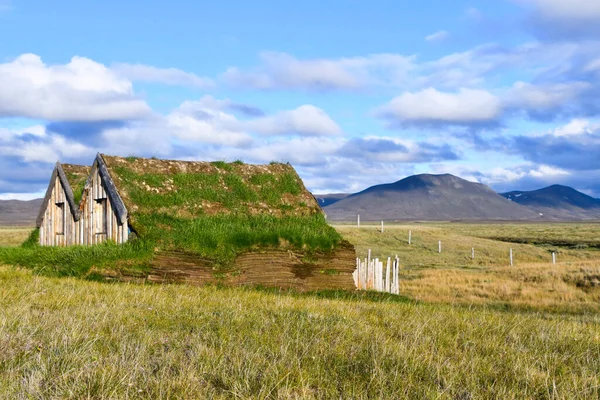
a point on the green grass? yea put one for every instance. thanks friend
(225, 211)
(223, 237)
(79, 261)
(66, 338)
(226, 188)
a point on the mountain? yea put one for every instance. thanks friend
(558, 202)
(428, 198)
(16, 212)
(325, 200)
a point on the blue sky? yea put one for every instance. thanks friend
(351, 93)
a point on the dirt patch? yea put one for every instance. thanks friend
(272, 268)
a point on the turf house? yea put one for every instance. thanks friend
(206, 222)
(59, 221)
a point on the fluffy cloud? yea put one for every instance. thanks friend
(35, 144)
(306, 120)
(170, 76)
(432, 107)
(82, 90)
(27, 156)
(546, 102)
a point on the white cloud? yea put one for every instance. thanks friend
(305, 120)
(82, 90)
(170, 76)
(543, 97)
(593, 65)
(21, 196)
(300, 151)
(577, 126)
(212, 129)
(547, 172)
(438, 36)
(432, 106)
(46, 147)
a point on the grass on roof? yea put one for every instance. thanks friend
(225, 210)
(77, 176)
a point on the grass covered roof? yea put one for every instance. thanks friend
(219, 209)
(76, 176)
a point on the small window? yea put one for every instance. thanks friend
(60, 219)
(101, 216)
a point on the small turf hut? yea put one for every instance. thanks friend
(217, 221)
(59, 221)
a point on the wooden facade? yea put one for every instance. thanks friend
(103, 214)
(99, 216)
(58, 220)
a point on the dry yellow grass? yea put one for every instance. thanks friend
(13, 236)
(566, 287)
(68, 338)
(456, 245)
(571, 285)
(470, 336)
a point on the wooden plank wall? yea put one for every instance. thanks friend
(49, 235)
(87, 230)
(91, 217)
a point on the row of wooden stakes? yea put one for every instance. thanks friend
(369, 275)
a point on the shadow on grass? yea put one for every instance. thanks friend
(336, 294)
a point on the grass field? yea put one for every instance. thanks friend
(533, 283)
(10, 236)
(461, 329)
(68, 338)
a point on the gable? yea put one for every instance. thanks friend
(59, 173)
(99, 169)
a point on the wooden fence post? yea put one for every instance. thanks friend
(364, 273)
(472, 253)
(381, 226)
(409, 236)
(553, 258)
(511, 257)
(397, 285)
(358, 221)
(387, 276)
(440, 246)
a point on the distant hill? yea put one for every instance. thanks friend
(325, 200)
(19, 213)
(558, 202)
(428, 198)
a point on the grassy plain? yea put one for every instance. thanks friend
(533, 283)
(70, 338)
(13, 236)
(462, 329)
